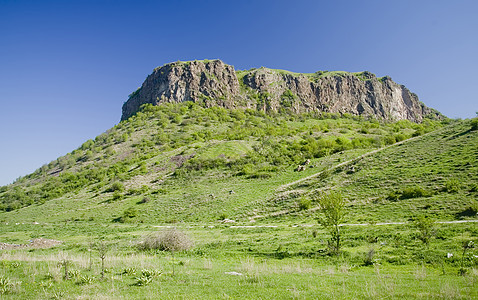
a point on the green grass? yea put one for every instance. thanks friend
(276, 263)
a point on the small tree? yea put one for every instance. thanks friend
(425, 228)
(102, 248)
(465, 246)
(332, 208)
(64, 262)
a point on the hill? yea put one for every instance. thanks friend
(184, 162)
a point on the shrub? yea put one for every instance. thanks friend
(171, 240)
(474, 124)
(117, 195)
(394, 196)
(466, 245)
(305, 203)
(129, 214)
(474, 187)
(408, 193)
(116, 186)
(452, 186)
(368, 259)
(144, 200)
(414, 192)
(425, 228)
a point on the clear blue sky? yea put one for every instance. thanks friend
(66, 67)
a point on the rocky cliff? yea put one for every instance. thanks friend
(216, 83)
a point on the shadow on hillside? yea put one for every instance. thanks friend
(468, 212)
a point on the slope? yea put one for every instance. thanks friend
(184, 162)
(435, 175)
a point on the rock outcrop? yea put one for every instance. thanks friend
(216, 83)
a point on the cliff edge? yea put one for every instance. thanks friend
(212, 82)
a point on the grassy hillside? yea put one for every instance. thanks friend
(187, 163)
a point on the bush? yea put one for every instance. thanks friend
(117, 195)
(425, 228)
(144, 200)
(171, 240)
(408, 193)
(116, 186)
(474, 124)
(368, 259)
(414, 192)
(452, 186)
(305, 203)
(128, 215)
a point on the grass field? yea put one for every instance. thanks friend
(283, 262)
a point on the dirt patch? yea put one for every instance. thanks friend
(34, 244)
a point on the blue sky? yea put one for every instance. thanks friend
(66, 67)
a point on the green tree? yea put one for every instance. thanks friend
(332, 213)
(425, 228)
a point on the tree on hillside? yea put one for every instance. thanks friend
(425, 228)
(102, 247)
(332, 213)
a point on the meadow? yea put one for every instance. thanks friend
(270, 261)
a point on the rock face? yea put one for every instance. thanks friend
(215, 83)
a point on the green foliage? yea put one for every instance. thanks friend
(116, 187)
(466, 246)
(117, 195)
(85, 280)
(369, 257)
(128, 215)
(452, 186)
(6, 285)
(305, 203)
(287, 99)
(256, 146)
(408, 193)
(147, 277)
(332, 208)
(474, 124)
(426, 228)
(269, 259)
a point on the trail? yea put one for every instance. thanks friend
(285, 186)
